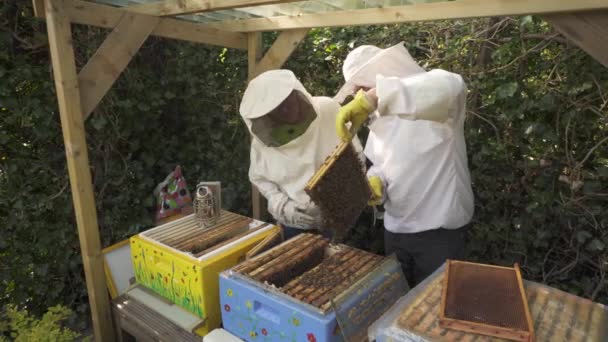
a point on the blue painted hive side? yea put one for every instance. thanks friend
(255, 314)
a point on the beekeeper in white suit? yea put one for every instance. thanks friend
(417, 147)
(293, 133)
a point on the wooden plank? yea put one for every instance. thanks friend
(177, 7)
(524, 298)
(251, 264)
(460, 9)
(112, 57)
(38, 6)
(280, 50)
(146, 324)
(88, 13)
(588, 30)
(72, 124)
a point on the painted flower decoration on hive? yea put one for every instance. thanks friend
(295, 322)
(311, 337)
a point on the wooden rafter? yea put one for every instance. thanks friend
(410, 13)
(72, 126)
(177, 7)
(108, 62)
(88, 13)
(280, 50)
(588, 30)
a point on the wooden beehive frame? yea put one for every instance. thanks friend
(326, 166)
(350, 263)
(268, 242)
(481, 328)
(186, 235)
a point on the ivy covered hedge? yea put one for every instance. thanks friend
(537, 135)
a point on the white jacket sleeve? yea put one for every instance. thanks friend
(276, 198)
(427, 96)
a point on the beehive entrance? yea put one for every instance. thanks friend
(187, 236)
(303, 269)
(340, 189)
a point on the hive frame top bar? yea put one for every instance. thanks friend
(330, 250)
(254, 224)
(275, 291)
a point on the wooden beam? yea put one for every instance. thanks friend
(254, 54)
(38, 6)
(177, 7)
(112, 57)
(88, 13)
(588, 30)
(460, 9)
(281, 49)
(72, 125)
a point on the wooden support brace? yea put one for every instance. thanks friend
(72, 124)
(588, 30)
(108, 62)
(281, 49)
(89, 13)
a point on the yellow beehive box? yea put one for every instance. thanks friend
(189, 278)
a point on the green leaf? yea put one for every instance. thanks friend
(602, 171)
(506, 90)
(525, 20)
(99, 122)
(582, 236)
(595, 246)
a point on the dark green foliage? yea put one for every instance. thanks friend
(537, 132)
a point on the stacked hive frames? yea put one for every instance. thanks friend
(303, 269)
(187, 236)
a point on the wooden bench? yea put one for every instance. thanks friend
(146, 324)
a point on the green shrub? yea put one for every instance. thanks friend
(19, 326)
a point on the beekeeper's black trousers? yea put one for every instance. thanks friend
(422, 253)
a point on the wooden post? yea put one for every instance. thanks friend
(276, 56)
(72, 124)
(254, 54)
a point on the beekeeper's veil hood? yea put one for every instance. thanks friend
(364, 63)
(262, 103)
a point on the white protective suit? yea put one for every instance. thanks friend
(416, 141)
(281, 173)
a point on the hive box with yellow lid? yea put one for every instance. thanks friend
(181, 261)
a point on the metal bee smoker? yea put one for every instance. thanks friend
(207, 203)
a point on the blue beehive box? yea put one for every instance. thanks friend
(259, 311)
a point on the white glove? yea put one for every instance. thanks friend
(295, 215)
